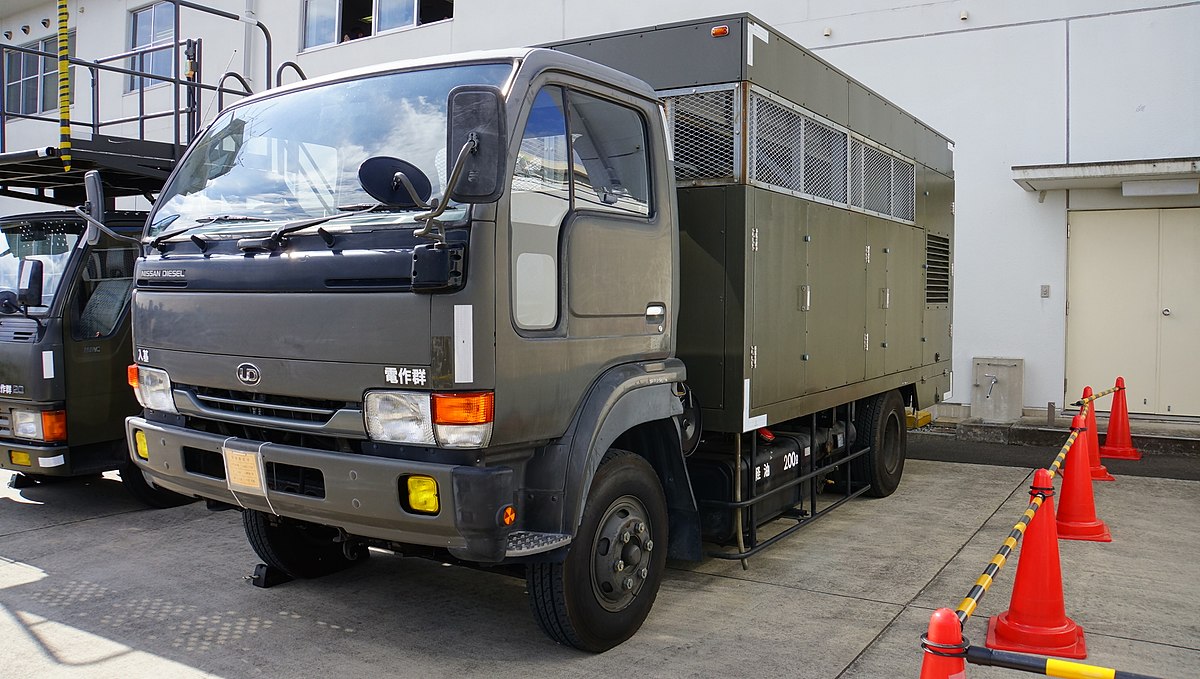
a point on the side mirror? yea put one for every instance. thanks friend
(29, 283)
(476, 112)
(94, 190)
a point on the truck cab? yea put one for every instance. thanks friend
(65, 343)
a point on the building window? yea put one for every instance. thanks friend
(152, 32)
(330, 21)
(31, 81)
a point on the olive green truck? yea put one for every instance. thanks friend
(571, 311)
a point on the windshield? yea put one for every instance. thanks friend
(296, 155)
(52, 241)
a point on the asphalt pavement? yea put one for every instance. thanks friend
(93, 585)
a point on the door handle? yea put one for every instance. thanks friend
(655, 310)
(1166, 312)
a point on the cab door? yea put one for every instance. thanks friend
(591, 252)
(97, 342)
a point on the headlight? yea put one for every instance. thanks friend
(154, 390)
(40, 425)
(421, 418)
(27, 424)
(399, 417)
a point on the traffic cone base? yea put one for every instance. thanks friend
(1092, 531)
(1120, 452)
(1064, 641)
(1100, 473)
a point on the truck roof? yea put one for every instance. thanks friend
(538, 58)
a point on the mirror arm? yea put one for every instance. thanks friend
(430, 218)
(399, 179)
(100, 225)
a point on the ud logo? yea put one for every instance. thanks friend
(247, 373)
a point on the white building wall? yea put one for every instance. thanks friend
(1014, 83)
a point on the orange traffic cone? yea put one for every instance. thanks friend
(1099, 471)
(944, 647)
(1077, 513)
(1036, 620)
(1118, 445)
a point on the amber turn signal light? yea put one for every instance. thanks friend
(131, 375)
(472, 408)
(54, 425)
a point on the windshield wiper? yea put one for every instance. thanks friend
(273, 241)
(203, 221)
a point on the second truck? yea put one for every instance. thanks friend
(652, 294)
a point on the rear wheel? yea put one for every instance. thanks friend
(600, 595)
(299, 548)
(135, 482)
(880, 423)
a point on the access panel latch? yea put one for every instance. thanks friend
(438, 267)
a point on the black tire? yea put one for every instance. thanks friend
(881, 424)
(142, 491)
(299, 548)
(585, 601)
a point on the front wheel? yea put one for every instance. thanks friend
(299, 548)
(135, 482)
(600, 595)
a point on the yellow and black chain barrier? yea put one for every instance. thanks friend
(1094, 397)
(64, 87)
(1050, 667)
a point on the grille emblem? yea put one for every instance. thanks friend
(247, 373)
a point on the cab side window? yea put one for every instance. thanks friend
(609, 168)
(104, 289)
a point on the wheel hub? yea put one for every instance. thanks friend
(621, 553)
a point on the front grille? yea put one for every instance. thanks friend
(266, 405)
(5, 424)
(278, 436)
(280, 477)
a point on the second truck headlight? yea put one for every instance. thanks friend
(153, 390)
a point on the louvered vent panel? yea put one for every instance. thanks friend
(937, 269)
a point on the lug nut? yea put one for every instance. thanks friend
(649, 545)
(641, 527)
(625, 536)
(628, 583)
(644, 572)
(620, 565)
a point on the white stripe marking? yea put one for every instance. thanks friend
(755, 31)
(750, 423)
(48, 364)
(464, 344)
(56, 461)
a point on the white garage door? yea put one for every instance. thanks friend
(1134, 307)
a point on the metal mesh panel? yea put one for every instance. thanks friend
(856, 173)
(702, 126)
(877, 180)
(904, 190)
(824, 161)
(776, 144)
(937, 269)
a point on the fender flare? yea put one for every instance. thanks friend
(622, 398)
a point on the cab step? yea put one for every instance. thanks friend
(525, 543)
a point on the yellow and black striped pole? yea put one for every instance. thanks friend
(64, 88)
(1050, 667)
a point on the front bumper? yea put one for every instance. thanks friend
(45, 460)
(362, 493)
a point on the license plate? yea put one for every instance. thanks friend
(243, 470)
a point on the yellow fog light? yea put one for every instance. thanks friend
(141, 447)
(423, 494)
(20, 458)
